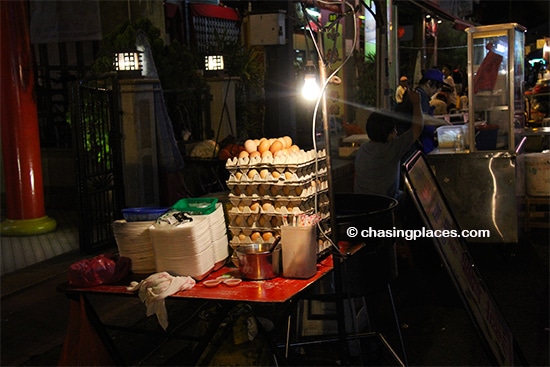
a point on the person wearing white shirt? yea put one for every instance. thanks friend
(401, 89)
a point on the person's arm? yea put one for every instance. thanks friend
(433, 121)
(417, 116)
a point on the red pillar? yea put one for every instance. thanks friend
(19, 123)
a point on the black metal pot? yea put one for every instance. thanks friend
(375, 264)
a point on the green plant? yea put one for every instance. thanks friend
(365, 83)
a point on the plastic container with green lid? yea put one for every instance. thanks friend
(196, 206)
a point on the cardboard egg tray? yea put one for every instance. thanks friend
(257, 234)
(295, 163)
(263, 222)
(277, 190)
(271, 220)
(269, 175)
(273, 204)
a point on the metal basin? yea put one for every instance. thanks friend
(256, 262)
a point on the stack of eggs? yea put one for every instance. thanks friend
(270, 182)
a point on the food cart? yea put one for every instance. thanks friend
(479, 175)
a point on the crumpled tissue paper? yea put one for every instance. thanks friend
(155, 288)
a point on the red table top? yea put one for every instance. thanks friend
(273, 290)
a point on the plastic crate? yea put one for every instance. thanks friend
(143, 214)
(196, 206)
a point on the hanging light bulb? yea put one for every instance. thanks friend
(310, 90)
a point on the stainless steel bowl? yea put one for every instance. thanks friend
(257, 262)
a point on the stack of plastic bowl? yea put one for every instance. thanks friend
(132, 237)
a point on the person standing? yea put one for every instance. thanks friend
(458, 79)
(450, 88)
(401, 89)
(378, 160)
(430, 83)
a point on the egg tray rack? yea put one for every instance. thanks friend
(265, 191)
(261, 221)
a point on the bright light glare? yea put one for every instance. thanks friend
(213, 62)
(501, 48)
(311, 90)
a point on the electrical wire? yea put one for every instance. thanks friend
(320, 99)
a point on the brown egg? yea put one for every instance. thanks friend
(267, 153)
(288, 140)
(238, 220)
(280, 153)
(255, 236)
(255, 154)
(261, 190)
(276, 146)
(238, 175)
(294, 148)
(266, 236)
(288, 175)
(254, 207)
(264, 145)
(243, 154)
(286, 190)
(275, 174)
(242, 236)
(264, 173)
(274, 189)
(274, 221)
(283, 141)
(249, 190)
(262, 221)
(267, 206)
(250, 146)
(252, 173)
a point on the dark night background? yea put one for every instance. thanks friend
(532, 14)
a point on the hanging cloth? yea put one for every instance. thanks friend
(170, 159)
(486, 76)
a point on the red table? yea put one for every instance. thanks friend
(277, 291)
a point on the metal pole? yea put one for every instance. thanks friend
(26, 214)
(332, 208)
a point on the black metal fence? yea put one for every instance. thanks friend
(96, 124)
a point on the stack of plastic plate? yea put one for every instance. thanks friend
(185, 249)
(218, 235)
(133, 241)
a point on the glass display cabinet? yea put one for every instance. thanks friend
(482, 183)
(495, 85)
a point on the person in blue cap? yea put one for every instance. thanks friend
(432, 81)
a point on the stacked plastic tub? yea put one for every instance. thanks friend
(133, 240)
(194, 248)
